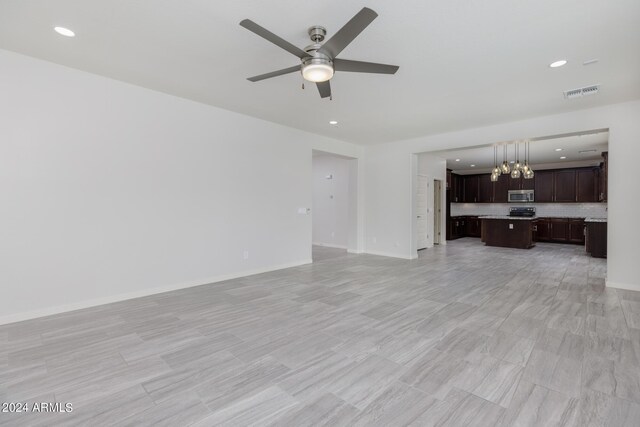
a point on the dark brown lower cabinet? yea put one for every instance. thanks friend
(456, 227)
(596, 239)
(560, 230)
(473, 227)
(463, 226)
(541, 230)
(576, 231)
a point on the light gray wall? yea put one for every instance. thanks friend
(111, 191)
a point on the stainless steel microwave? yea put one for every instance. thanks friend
(521, 196)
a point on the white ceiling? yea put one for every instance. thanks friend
(462, 64)
(543, 153)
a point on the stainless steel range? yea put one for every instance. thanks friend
(526, 212)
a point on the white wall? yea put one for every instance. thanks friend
(330, 212)
(111, 191)
(389, 180)
(433, 167)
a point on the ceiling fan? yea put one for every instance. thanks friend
(318, 60)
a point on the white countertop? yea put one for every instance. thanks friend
(522, 218)
(595, 220)
(531, 218)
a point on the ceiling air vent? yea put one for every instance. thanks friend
(583, 91)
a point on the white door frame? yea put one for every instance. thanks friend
(422, 214)
(437, 211)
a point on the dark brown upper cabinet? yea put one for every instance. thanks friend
(583, 185)
(529, 184)
(501, 189)
(454, 189)
(564, 185)
(521, 183)
(471, 188)
(544, 187)
(485, 194)
(586, 185)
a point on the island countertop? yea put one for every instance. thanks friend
(595, 220)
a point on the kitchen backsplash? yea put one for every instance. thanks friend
(593, 210)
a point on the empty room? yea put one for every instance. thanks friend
(296, 213)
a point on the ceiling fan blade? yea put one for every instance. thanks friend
(277, 40)
(274, 73)
(350, 31)
(363, 67)
(324, 88)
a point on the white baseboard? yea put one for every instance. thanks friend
(353, 251)
(626, 286)
(18, 317)
(387, 254)
(328, 245)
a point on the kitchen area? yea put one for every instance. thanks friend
(509, 201)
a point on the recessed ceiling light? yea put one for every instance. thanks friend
(64, 31)
(563, 157)
(457, 160)
(473, 166)
(333, 122)
(557, 64)
(558, 149)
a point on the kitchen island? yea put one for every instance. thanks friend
(507, 231)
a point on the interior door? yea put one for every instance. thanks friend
(422, 228)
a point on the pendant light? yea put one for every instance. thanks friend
(527, 172)
(495, 172)
(525, 166)
(515, 172)
(518, 165)
(505, 168)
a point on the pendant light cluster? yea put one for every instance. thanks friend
(518, 168)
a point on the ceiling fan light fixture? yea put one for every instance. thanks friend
(64, 31)
(317, 70)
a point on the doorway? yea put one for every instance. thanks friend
(334, 212)
(427, 202)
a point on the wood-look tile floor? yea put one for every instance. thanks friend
(464, 335)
